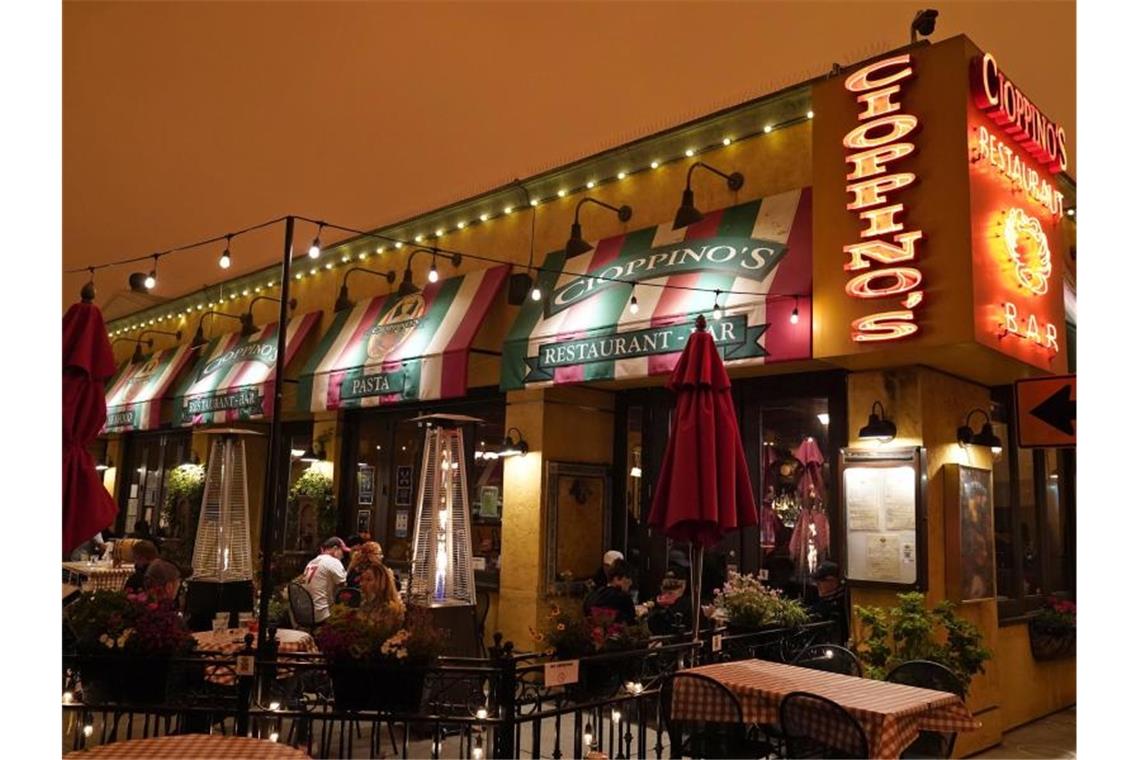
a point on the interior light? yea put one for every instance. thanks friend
(824, 418)
(635, 472)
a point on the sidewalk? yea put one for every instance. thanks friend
(1054, 736)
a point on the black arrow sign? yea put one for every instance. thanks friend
(1059, 410)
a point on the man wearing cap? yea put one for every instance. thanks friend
(601, 576)
(832, 601)
(323, 574)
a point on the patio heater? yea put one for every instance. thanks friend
(443, 574)
(222, 580)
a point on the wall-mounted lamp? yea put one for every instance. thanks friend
(923, 24)
(310, 455)
(513, 447)
(177, 335)
(102, 465)
(688, 213)
(986, 437)
(247, 325)
(576, 245)
(878, 427)
(408, 286)
(200, 337)
(342, 301)
(137, 357)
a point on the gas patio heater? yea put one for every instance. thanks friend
(443, 574)
(222, 580)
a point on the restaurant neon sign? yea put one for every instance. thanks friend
(879, 141)
(1008, 107)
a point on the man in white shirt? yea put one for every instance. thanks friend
(323, 574)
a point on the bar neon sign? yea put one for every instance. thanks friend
(876, 142)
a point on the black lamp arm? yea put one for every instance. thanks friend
(255, 299)
(624, 213)
(455, 258)
(390, 275)
(176, 335)
(136, 341)
(735, 180)
(882, 411)
(979, 410)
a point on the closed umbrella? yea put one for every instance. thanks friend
(703, 491)
(87, 365)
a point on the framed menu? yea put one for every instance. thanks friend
(883, 503)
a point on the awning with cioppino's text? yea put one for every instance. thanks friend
(400, 348)
(135, 394)
(758, 254)
(232, 379)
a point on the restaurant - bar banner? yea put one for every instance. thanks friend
(134, 397)
(399, 348)
(233, 377)
(758, 254)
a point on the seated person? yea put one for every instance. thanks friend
(162, 581)
(614, 597)
(832, 601)
(673, 608)
(378, 590)
(143, 553)
(600, 578)
(362, 554)
(322, 576)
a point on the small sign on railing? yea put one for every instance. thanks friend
(244, 665)
(560, 673)
(717, 642)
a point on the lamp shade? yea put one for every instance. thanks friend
(687, 212)
(576, 246)
(878, 428)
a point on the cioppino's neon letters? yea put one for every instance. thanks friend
(1000, 99)
(875, 145)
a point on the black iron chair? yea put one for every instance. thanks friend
(801, 716)
(929, 675)
(832, 658)
(730, 738)
(301, 608)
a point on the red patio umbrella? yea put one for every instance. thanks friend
(87, 364)
(703, 491)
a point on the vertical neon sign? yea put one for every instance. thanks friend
(886, 245)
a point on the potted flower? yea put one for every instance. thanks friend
(378, 659)
(746, 604)
(126, 644)
(1053, 631)
(573, 637)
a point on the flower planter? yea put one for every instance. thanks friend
(123, 679)
(386, 688)
(1052, 642)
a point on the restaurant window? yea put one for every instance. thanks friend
(385, 452)
(1034, 508)
(150, 459)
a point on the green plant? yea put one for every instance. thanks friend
(569, 636)
(909, 631)
(745, 602)
(185, 483)
(1058, 617)
(316, 485)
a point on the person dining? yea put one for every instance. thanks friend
(614, 597)
(162, 581)
(379, 595)
(143, 553)
(322, 576)
(363, 553)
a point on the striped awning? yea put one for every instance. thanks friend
(586, 330)
(134, 397)
(396, 348)
(233, 377)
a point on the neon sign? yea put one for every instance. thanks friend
(877, 142)
(1009, 163)
(1028, 249)
(1013, 112)
(1028, 328)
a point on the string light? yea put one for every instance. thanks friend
(767, 128)
(152, 278)
(811, 114)
(439, 232)
(224, 261)
(633, 307)
(433, 273)
(621, 175)
(419, 238)
(461, 225)
(536, 294)
(690, 153)
(534, 202)
(726, 142)
(484, 217)
(562, 193)
(795, 317)
(315, 248)
(508, 210)
(654, 164)
(590, 185)
(399, 244)
(363, 255)
(716, 314)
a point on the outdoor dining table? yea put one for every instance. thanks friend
(187, 746)
(230, 641)
(97, 576)
(891, 714)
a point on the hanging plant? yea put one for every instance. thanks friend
(316, 486)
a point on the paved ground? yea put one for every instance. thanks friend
(1054, 736)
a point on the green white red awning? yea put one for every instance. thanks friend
(134, 397)
(585, 329)
(233, 376)
(397, 348)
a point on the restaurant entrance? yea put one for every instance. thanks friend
(793, 427)
(147, 464)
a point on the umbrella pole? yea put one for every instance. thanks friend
(696, 564)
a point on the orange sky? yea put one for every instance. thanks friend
(185, 120)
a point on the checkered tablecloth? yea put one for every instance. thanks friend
(190, 747)
(891, 714)
(230, 641)
(96, 577)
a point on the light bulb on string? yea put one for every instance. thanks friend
(224, 262)
(633, 307)
(536, 294)
(315, 248)
(795, 317)
(152, 278)
(433, 273)
(716, 313)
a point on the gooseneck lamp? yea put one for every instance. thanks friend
(878, 427)
(342, 301)
(923, 24)
(247, 325)
(200, 336)
(513, 447)
(137, 357)
(576, 245)
(408, 285)
(985, 437)
(688, 213)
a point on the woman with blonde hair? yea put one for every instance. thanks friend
(362, 554)
(378, 591)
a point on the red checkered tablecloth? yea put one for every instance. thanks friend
(891, 714)
(190, 747)
(97, 576)
(230, 641)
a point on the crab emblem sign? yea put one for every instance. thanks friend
(1028, 249)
